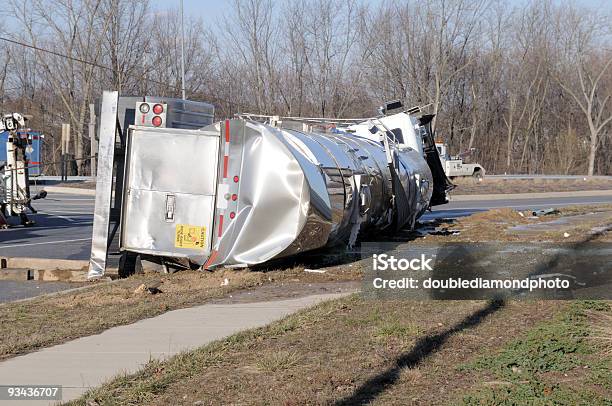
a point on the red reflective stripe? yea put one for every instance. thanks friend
(220, 225)
(225, 165)
(213, 256)
(227, 130)
(35, 163)
(143, 119)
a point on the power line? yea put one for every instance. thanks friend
(23, 44)
(26, 45)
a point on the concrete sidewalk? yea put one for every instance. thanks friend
(90, 361)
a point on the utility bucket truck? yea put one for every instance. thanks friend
(15, 199)
(454, 165)
(176, 189)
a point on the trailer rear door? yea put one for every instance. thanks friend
(170, 186)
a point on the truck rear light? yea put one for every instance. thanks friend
(232, 215)
(236, 179)
(234, 197)
(150, 114)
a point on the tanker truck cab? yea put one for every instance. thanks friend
(409, 130)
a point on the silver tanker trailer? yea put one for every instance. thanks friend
(176, 189)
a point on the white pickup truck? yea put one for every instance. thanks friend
(454, 166)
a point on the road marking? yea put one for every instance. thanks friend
(527, 205)
(38, 226)
(70, 200)
(54, 203)
(43, 243)
(66, 212)
(538, 195)
(57, 215)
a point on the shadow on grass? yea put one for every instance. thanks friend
(427, 345)
(424, 347)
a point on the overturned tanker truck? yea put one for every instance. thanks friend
(178, 190)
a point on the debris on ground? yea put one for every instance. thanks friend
(140, 289)
(444, 231)
(513, 225)
(225, 282)
(566, 235)
(314, 270)
(600, 230)
(545, 212)
(152, 288)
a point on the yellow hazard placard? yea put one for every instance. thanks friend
(189, 236)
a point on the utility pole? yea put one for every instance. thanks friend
(65, 150)
(92, 138)
(182, 52)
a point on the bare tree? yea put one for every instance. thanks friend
(70, 28)
(161, 64)
(517, 83)
(126, 40)
(592, 100)
(252, 39)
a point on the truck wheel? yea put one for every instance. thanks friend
(127, 264)
(477, 174)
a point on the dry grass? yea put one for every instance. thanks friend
(278, 361)
(351, 351)
(602, 331)
(51, 320)
(488, 185)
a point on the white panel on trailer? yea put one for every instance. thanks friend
(170, 186)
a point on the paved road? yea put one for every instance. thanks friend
(63, 229)
(548, 177)
(467, 207)
(64, 223)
